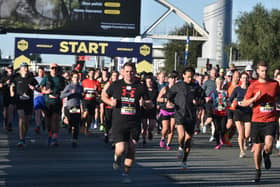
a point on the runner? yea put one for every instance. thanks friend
(103, 80)
(91, 90)
(219, 110)
(73, 108)
(166, 114)
(22, 88)
(108, 108)
(241, 115)
(149, 115)
(161, 83)
(185, 95)
(230, 126)
(51, 86)
(209, 86)
(124, 96)
(277, 78)
(262, 94)
(39, 102)
(8, 101)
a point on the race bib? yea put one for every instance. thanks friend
(267, 107)
(220, 107)
(128, 110)
(75, 111)
(24, 97)
(278, 106)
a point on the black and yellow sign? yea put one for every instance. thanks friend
(142, 51)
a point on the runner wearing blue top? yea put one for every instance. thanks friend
(241, 115)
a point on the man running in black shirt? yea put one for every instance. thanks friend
(125, 96)
(185, 95)
(22, 88)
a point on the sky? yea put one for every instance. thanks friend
(150, 11)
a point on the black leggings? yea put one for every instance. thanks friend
(220, 127)
(108, 119)
(74, 123)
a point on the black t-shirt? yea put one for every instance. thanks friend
(128, 96)
(22, 90)
(6, 87)
(153, 96)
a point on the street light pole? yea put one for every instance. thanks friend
(175, 60)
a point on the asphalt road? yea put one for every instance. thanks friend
(90, 164)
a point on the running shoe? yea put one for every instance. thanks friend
(211, 139)
(196, 132)
(242, 155)
(116, 163)
(20, 143)
(257, 177)
(162, 143)
(126, 179)
(180, 153)
(54, 142)
(168, 147)
(101, 127)
(266, 160)
(218, 147)
(49, 140)
(228, 143)
(222, 141)
(184, 165)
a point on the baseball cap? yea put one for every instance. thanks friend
(229, 73)
(24, 64)
(248, 68)
(222, 70)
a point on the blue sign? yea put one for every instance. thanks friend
(141, 51)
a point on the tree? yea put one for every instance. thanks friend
(179, 46)
(258, 35)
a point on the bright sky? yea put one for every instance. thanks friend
(151, 11)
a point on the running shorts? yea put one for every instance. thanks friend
(260, 130)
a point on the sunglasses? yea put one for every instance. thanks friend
(53, 67)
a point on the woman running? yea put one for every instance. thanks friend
(166, 113)
(241, 115)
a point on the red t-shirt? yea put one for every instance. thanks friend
(264, 109)
(91, 89)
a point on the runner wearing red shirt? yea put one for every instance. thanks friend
(91, 89)
(262, 95)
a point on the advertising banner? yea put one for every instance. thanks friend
(75, 17)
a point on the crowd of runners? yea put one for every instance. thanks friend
(129, 108)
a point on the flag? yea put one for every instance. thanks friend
(187, 50)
